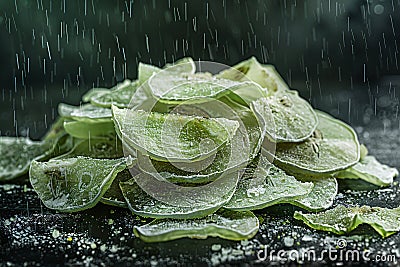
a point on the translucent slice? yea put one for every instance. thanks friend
(101, 148)
(173, 137)
(174, 87)
(232, 225)
(342, 220)
(184, 65)
(87, 130)
(85, 113)
(74, 184)
(145, 71)
(321, 196)
(332, 147)
(94, 92)
(120, 96)
(251, 70)
(113, 196)
(264, 185)
(370, 170)
(17, 153)
(140, 203)
(294, 118)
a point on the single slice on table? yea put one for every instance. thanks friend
(294, 118)
(74, 184)
(101, 148)
(88, 130)
(232, 225)
(342, 220)
(140, 203)
(120, 95)
(370, 170)
(251, 70)
(264, 185)
(85, 113)
(171, 87)
(321, 196)
(172, 137)
(332, 147)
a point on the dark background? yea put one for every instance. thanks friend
(55, 50)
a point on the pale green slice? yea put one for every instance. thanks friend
(113, 196)
(232, 225)
(342, 220)
(264, 185)
(100, 148)
(264, 75)
(294, 118)
(140, 203)
(173, 137)
(74, 184)
(121, 95)
(174, 87)
(17, 153)
(332, 147)
(94, 92)
(85, 113)
(371, 171)
(145, 71)
(88, 130)
(321, 196)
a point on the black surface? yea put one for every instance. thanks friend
(89, 237)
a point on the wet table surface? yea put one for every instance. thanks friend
(31, 234)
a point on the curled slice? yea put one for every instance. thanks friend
(140, 203)
(371, 171)
(321, 196)
(332, 147)
(74, 184)
(342, 220)
(232, 225)
(88, 130)
(172, 137)
(251, 70)
(174, 87)
(120, 95)
(294, 118)
(85, 113)
(264, 185)
(17, 153)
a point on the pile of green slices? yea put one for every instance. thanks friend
(241, 139)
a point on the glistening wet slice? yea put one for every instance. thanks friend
(120, 95)
(342, 220)
(370, 170)
(264, 185)
(321, 196)
(85, 113)
(294, 118)
(74, 184)
(173, 137)
(232, 225)
(17, 153)
(140, 203)
(174, 87)
(332, 147)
